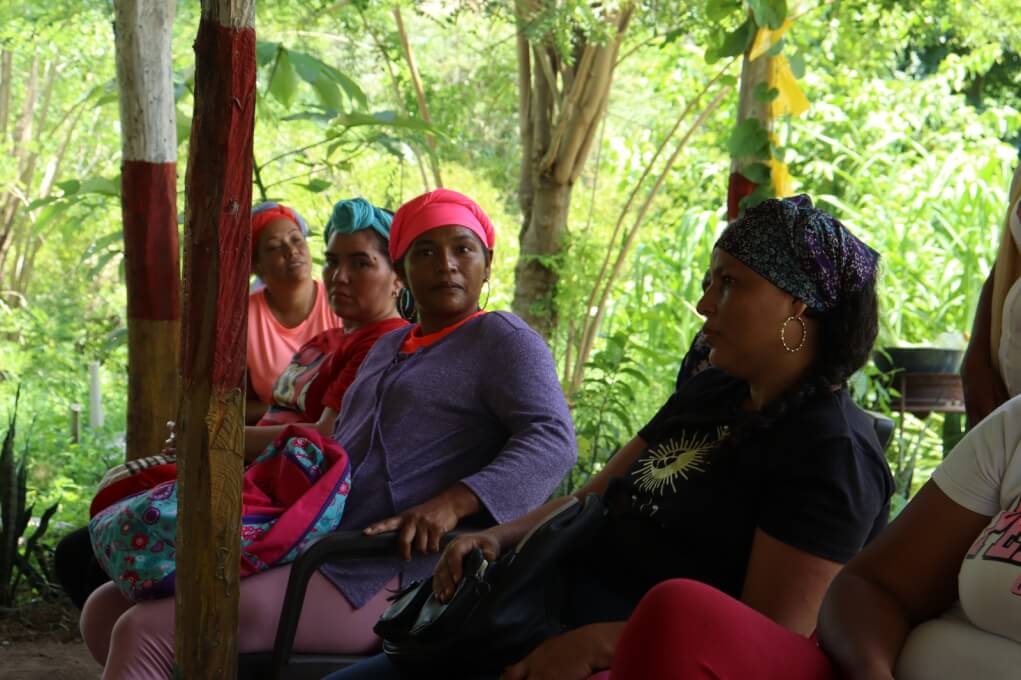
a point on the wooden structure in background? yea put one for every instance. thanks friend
(217, 255)
(143, 31)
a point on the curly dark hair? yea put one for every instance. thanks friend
(847, 334)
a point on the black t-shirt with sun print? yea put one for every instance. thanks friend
(815, 479)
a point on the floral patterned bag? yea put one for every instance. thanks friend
(294, 492)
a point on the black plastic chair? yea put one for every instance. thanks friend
(283, 663)
(884, 428)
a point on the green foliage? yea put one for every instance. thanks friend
(924, 177)
(569, 23)
(288, 66)
(749, 138)
(732, 43)
(908, 140)
(609, 389)
(769, 13)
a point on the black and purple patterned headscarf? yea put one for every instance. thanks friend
(802, 250)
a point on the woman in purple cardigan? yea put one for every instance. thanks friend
(458, 414)
(461, 413)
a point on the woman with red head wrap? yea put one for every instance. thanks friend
(289, 310)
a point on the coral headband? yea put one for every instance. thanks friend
(261, 219)
(437, 208)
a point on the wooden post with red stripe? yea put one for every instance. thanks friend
(769, 90)
(754, 73)
(216, 268)
(143, 32)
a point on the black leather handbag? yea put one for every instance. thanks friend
(500, 611)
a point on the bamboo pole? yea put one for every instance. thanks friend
(423, 109)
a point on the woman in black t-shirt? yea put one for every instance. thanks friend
(759, 476)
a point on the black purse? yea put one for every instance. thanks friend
(499, 611)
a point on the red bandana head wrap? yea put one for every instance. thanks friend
(267, 212)
(437, 209)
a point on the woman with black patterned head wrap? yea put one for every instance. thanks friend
(935, 597)
(756, 481)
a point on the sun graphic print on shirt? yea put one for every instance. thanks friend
(673, 458)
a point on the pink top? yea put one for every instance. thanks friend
(271, 345)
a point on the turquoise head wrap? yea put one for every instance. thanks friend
(355, 214)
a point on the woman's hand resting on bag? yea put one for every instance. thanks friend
(450, 568)
(422, 526)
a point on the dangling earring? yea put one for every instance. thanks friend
(804, 333)
(406, 304)
(483, 305)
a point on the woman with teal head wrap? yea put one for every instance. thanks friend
(363, 290)
(355, 214)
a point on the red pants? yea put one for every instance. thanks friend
(686, 630)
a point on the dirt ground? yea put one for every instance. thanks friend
(40, 641)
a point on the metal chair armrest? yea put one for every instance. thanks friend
(331, 547)
(338, 545)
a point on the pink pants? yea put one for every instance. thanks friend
(136, 642)
(686, 630)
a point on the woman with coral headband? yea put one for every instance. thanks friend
(435, 430)
(289, 310)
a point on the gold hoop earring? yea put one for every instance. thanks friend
(486, 302)
(804, 333)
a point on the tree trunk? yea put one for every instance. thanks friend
(22, 133)
(398, 97)
(217, 255)
(143, 31)
(31, 123)
(561, 102)
(541, 240)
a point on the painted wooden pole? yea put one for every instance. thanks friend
(217, 237)
(769, 90)
(754, 74)
(143, 30)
